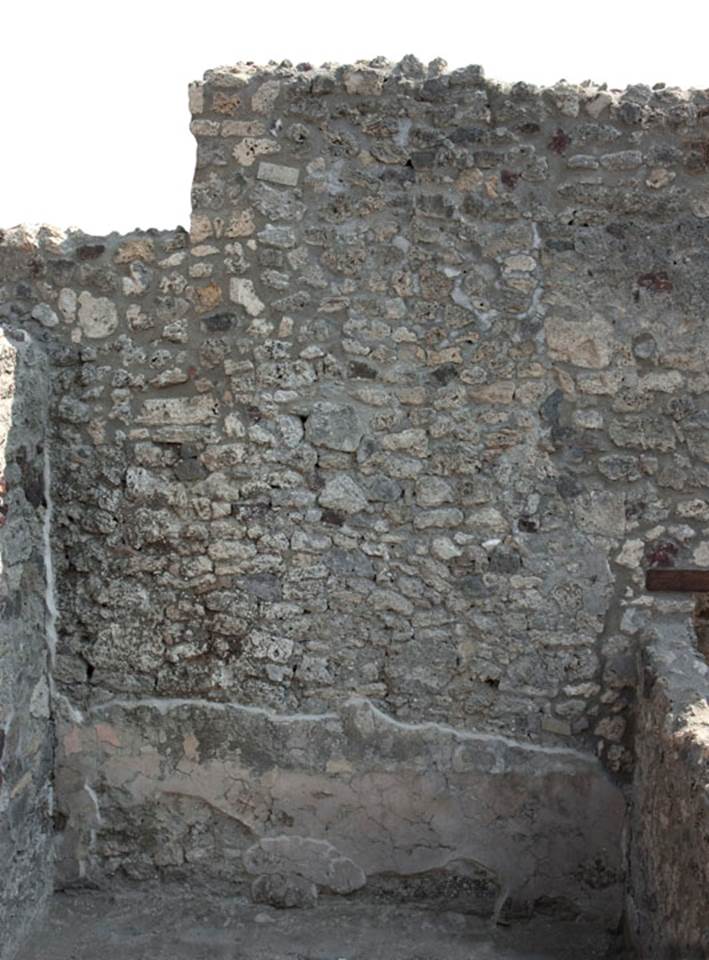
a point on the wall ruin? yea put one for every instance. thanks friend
(667, 912)
(26, 741)
(355, 485)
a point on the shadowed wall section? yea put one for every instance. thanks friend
(667, 914)
(26, 753)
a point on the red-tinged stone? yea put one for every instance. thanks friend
(560, 142)
(657, 282)
(662, 554)
(509, 179)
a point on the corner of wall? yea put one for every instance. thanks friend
(26, 735)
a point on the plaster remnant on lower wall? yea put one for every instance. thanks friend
(295, 859)
(353, 703)
(369, 795)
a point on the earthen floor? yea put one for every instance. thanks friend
(169, 924)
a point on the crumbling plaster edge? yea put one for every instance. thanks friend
(165, 705)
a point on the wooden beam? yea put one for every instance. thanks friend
(684, 581)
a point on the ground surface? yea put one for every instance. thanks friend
(176, 925)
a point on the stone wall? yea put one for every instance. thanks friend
(25, 728)
(356, 482)
(668, 911)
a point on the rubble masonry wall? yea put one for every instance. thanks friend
(355, 484)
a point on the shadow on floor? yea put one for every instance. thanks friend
(174, 924)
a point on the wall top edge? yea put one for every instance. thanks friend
(28, 238)
(410, 75)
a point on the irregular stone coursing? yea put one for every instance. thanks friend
(668, 910)
(402, 418)
(25, 734)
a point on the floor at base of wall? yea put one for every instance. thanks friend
(170, 924)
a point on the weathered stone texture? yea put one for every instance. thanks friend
(402, 419)
(26, 753)
(668, 907)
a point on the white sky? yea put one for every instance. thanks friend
(93, 93)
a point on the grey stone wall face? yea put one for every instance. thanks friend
(355, 483)
(26, 753)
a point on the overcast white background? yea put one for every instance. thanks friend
(93, 94)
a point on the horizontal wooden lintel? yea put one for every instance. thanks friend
(684, 581)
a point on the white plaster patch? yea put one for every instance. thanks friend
(700, 556)
(315, 860)
(97, 315)
(241, 291)
(631, 554)
(266, 95)
(39, 702)
(67, 304)
(276, 173)
(45, 315)
(246, 151)
(178, 410)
